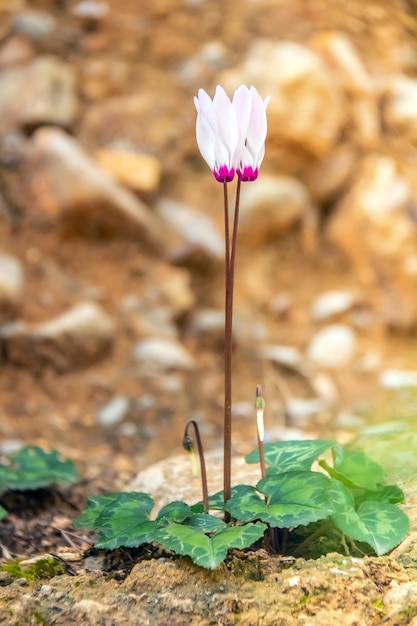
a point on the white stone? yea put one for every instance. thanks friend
(160, 355)
(332, 347)
(332, 303)
(63, 182)
(398, 379)
(270, 208)
(196, 231)
(307, 106)
(12, 285)
(114, 411)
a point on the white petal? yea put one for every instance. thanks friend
(205, 140)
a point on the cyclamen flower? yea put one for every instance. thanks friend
(231, 134)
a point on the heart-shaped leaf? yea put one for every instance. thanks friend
(33, 468)
(354, 469)
(380, 524)
(293, 499)
(207, 551)
(286, 456)
(120, 519)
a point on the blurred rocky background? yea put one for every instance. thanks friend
(111, 257)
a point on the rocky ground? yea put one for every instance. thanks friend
(111, 276)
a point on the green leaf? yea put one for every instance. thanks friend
(125, 521)
(387, 493)
(3, 512)
(205, 522)
(95, 505)
(286, 456)
(354, 469)
(216, 501)
(120, 519)
(174, 511)
(381, 525)
(33, 468)
(205, 551)
(293, 499)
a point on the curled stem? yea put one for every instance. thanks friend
(188, 445)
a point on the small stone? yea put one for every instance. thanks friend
(340, 54)
(400, 102)
(81, 336)
(197, 237)
(45, 91)
(139, 172)
(114, 411)
(375, 228)
(157, 356)
(90, 10)
(332, 303)
(12, 286)
(11, 445)
(307, 106)
(332, 347)
(300, 411)
(398, 379)
(270, 208)
(286, 356)
(399, 598)
(15, 51)
(327, 178)
(63, 183)
(37, 26)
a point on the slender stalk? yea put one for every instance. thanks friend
(230, 255)
(188, 444)
(260, 406)
(227, 427)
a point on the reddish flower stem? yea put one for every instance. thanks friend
(230, 255)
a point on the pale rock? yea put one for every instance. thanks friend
(211, 57)
(208, 327)
(90, 10)
(169, 286)
(398, 379)
(286, 356)
(307, 106)
(145, 320)
(137, 171)
(399, 598)
(374, 227)
(64, 184)
(45, 90)
(325, 388)
(365, 120)
(101, 78)
(37, 26)
(197, 239)
(301, 411)
(12, 286)
(342, 58)
(400, 106)
(327, 178)
(333, 303)
(333, 347)
(158, 356)
(15, 51)
(79, 337)
(172, 478)
(340, 54)
(270, 208)
(114, 411)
